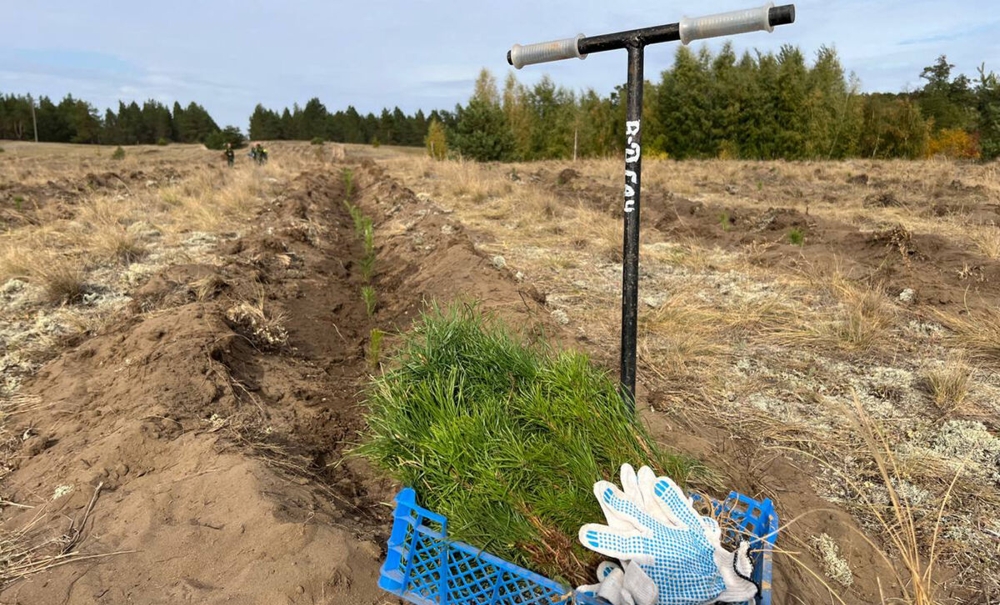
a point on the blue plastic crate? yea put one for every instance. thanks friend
(424, 567)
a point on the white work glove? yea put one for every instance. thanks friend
(629, 587)
(653, 526)
(626, 584)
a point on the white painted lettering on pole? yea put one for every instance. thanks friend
(632, 155)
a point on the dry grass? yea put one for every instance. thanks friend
(208, 287)
(15, 261)
(62, 279)
(900, 523)
(859, 321)
(987, 240)
(37, 547)
(978, 333)
(949, 383)
(864, 320)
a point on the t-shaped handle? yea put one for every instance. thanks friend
(764, 18)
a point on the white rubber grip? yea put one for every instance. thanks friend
(543, 52)
(727, 24)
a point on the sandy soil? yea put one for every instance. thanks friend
(192, 448)
(187, 458)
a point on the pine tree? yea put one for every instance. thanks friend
(684, 107)
(53, 123)
(988, 106)
(482, 132)
(949, 104)
(265, 125)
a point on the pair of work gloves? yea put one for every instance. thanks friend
(669, 554)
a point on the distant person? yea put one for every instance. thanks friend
(260, 154)
(230, 155)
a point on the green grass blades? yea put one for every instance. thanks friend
(505, 440)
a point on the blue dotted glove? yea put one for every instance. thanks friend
(653, 525)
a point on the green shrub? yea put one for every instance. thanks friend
(796, 236)
(317, 141)
(18, 201)
(119, 153)
(162, 142)
(725, 221)
(2, 150)
(375, 142)
(505, 440)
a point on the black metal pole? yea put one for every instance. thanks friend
(630, 255)
(687, 30)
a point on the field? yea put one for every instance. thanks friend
(183, 347)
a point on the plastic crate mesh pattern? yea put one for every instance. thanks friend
(424, 567)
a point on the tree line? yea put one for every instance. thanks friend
(314, 121)
(706, 105)
(756, 106)
(77, 121)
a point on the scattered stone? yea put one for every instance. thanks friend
(560, 316)
(732, 190)
(519, 276)
(61, 491)
(907, 296)
(447, 229)
(499, 262)
(653, 302)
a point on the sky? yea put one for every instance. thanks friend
(423, 54)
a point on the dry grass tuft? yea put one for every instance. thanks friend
(208, 287)
(15, 262)
(987, 240)
(864, 320)
(62, 280)
(861, 322)
(976, 333)
(119, 245)
(949, 383)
